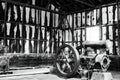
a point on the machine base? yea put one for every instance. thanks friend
(101, 76)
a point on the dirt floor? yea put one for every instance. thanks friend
(42, 74)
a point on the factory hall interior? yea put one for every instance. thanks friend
(70, 39)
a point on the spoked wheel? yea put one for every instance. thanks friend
(67, 60)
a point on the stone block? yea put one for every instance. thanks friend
(101, 76)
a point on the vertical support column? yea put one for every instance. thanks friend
(38, 36)
(72, 29)
(100, 18)
(81, 32)
(91, 18)
(5, 18)
(86, 23)
(44, 32)
(4, 31)
(107, 26)
(64, 31)
(41, 34)
(118, 26)
(114, 31)
(83, 26)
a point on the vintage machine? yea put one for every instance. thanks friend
(92, 55)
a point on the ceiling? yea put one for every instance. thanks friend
(77, 5)
(70, 5)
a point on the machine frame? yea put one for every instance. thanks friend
(92, 55)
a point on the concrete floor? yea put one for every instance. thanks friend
(41, 74)
(37, 77)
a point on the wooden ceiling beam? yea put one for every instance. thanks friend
(91, 2)
(85, 3)
(100, 1)
(60, 6)
(49, 2)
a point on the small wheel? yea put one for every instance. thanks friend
(67, 60)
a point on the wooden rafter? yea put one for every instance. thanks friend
(60, 6)
(41, 3)
(85, 3)
(49, 2)
(100, 1)
(91, 2)
(67, 6)
(95, 2)
(77, 5)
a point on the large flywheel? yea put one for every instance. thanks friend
(67, 60)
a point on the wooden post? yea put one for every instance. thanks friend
(118, 26)
(41, 34)
(73, 29)
(81, 30)
(86, 23)
(4, 31)
(5, 15)
(107, 27)
(100, 20)
(114, 31)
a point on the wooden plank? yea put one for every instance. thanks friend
(114, 31)
(118, 13)
(107, 27)
(27, 72)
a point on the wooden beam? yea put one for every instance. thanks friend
(114, 31)
(118, 11)
(85, 3)
(91, 2)
(49, 2)
(107, 27)
(60, 6)
(100, 1)
(31, 6)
